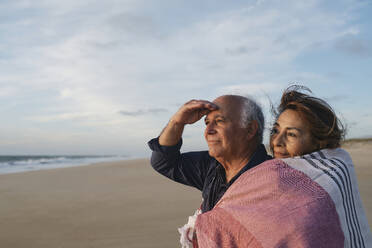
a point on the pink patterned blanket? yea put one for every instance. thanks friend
(308, 201)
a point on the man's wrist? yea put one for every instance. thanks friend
(172, 133)
(175, 123)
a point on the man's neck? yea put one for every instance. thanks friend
(234, 165)
(232, 171)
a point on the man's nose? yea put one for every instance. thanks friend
(210, 128)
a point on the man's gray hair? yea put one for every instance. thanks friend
(251, 111)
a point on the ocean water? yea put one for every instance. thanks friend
(14, 164)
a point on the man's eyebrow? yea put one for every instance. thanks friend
(220, 116)
(215, 117)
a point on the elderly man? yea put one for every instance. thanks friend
(234, 128)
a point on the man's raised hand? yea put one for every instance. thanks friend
(192, 111)
(189, 113)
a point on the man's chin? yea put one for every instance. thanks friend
(213, 153)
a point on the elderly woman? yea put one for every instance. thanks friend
(306, 197)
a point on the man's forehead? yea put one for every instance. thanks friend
(220, 99)
(228, 103)
(222, 102)
(228, 108)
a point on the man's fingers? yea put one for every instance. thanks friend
(204, 112)
(193, 110)
(200, 104)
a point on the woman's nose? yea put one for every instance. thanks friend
(278, 139)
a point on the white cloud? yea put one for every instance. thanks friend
(7, 91)
(251, 89)
(88, 60)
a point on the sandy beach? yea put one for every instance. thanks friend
(116, 204)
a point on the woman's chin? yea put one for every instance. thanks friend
(281, 155)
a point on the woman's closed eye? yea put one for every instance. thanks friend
(292, 134)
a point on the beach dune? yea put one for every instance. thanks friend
(116, 204)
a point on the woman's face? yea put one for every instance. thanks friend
(291, 136)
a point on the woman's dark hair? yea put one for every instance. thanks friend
(326, 129)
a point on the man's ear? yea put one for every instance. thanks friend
(252, 129)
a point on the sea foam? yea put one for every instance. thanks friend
(14, 164)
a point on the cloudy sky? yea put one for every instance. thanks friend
(103, 77)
